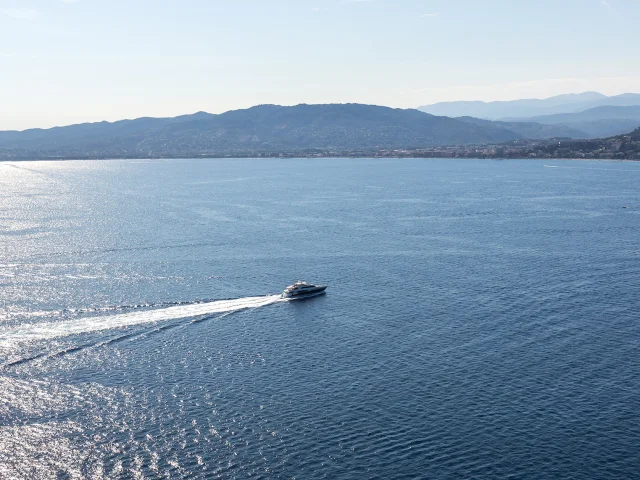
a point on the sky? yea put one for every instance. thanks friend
(73, 61)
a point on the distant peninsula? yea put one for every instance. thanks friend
(332, 130)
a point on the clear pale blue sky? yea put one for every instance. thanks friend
(69, 61)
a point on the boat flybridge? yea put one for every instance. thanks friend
(301, 290)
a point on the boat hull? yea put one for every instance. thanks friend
(302, 295)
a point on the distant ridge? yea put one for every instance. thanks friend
(597, 113)
(507, 110)
(595, 122)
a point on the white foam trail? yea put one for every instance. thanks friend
(49, 330)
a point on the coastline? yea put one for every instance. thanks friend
(315, 157)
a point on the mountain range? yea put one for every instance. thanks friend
(505, 110)
(307, 130)
(585, 115)
(595, 122)
(264, 129)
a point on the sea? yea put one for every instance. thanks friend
(482, 319)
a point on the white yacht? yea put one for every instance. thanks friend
(303, 290)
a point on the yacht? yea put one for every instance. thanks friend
(303, 290)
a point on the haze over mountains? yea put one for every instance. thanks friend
(327, 129)
(584, 115)
(593, 123)
(505, 110)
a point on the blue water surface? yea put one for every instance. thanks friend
(482, 319)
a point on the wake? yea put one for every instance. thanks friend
(51, 330)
